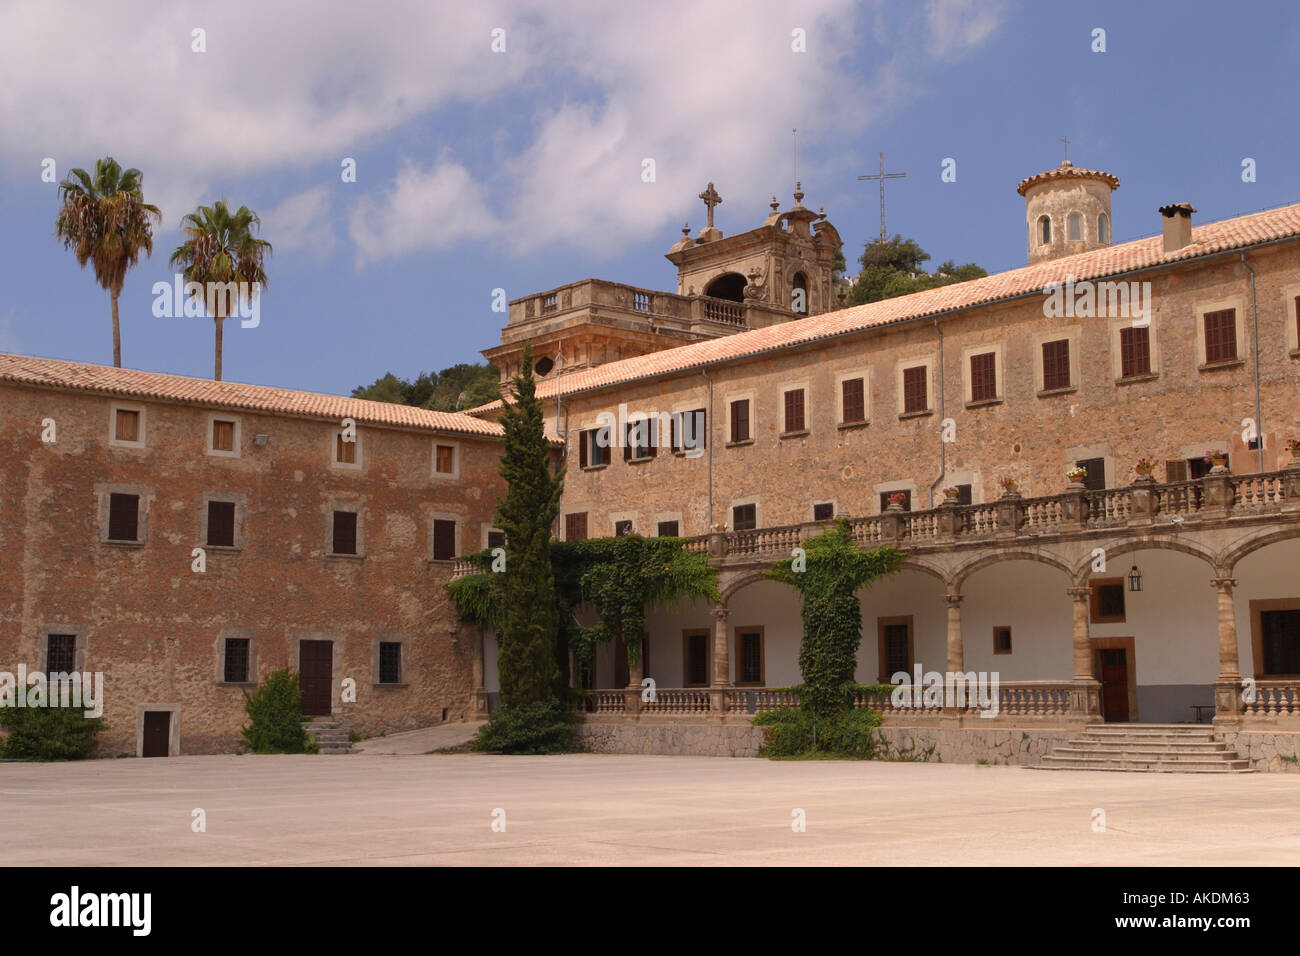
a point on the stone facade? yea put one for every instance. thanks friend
(156, 628)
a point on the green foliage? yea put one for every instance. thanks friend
(462, 386)
(798, 733)
(49, 733)
(275, 717)
(835, 568)
(541, 727)
(529, 615)
(892, 267)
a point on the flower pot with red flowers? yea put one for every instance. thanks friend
(1075, 477)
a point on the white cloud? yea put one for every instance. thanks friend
(301, 222)
(958, 26)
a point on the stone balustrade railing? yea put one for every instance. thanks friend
(1272, 699)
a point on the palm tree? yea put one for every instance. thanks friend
(105, 221)
(220, 247)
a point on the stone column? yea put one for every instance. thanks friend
(956, 652)
(1086, 697)
(721, 661)
(480, 697)
(1227, 687)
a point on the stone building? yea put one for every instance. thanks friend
(317, 553)
(1104, 594)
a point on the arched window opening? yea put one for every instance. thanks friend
(799, 293)
(730, 285)
(1044, 230)
(1074, 226)
(1103, 228)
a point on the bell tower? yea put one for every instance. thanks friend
(1067, 210)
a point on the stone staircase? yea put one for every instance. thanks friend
(1151, 748)
(332, 734)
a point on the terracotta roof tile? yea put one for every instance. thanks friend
(1228, 234)
(130, 383)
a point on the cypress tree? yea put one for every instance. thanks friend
(529, 612)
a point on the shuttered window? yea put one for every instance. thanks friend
(983, 377)
(1134, 352)
(126, 426)
(853, 398)
(1056, 364)
(744, 517)
(123, 517)
(1095, 480)
(740, 420)
(345, 532)
(640, 440)
(236, 663)
(823, 511)
(345, 452)
(575, 526)
(622, 529)
(444, 539)
(1221, 336)
(749, 663)
(221, 524)
(696, 652)
(1176, 470)
(915, 391)
(390, 662)
(445, 459)
(223, 435)
(496, 539)
(794, 417)
(60, 653)
(668, 529)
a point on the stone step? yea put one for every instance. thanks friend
(1209, 749)
(1110, 730)
(1148, 765)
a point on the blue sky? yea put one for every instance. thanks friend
(522, 169)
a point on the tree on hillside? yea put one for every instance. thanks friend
(105, 221)
(457, 388)
(893, 267)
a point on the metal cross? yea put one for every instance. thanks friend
(1066, 141)
(882, 176)
(711, 199)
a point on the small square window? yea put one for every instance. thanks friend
(744, 517)
(1001, 640)
(390, 662)
(123, 517)
(496, 539)
(345, 532)
(1095, 480)
(445, 459)
(622, 529)
(60, 653)
(236, 663)
(126, 425)
(575, 526)
(886, 495)
(444, 540)
(823, 511)
(223, 435)
(1108, 601)
(668, 529)
(221, 524)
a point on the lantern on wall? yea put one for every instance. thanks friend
(1135, 579)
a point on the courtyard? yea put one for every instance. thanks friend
(589, 809)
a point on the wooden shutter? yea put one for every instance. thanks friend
(127, 425)
(345, 452)
(794, 419)
(444, 540)
(983, 377)
(740, 420)
(1096, 477)
(744, 518)
(1176, 470)
(1221, 336)
(345, 532)
(221, 524)
(223, 435)
(123, 517)
(583, 439)
(915, 398)
(853, 400)
(445, 459)
(1056, 364)
(668, 529)
(575, 526)
(1135, 352)
(1297, 321)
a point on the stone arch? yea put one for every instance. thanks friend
(745, 579)
(963, 572)
(1228, 560)
(1083, 572)
(914, 564)
(729, 285)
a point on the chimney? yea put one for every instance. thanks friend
(1177, 225)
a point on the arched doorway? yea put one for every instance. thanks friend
(729, 285)
(799, 293)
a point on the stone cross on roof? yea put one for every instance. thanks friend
(711, 199)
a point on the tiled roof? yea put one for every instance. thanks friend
(1067, 170)
(130, 383)
(1229, 234)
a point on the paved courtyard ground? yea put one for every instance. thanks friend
(632, 810)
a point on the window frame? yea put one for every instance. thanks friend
(744, 503)
(968, 356)
(863, 375)
(336, 436)
(236, 436)
(750, 419)
(1067, 333)
(1095, 615)
(436, 519)
(688, 634)
(739, 632)
(454, 474)
(336, 508)
(205, 522)
(142, 425)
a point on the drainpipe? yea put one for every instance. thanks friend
(943, 446)
(1254, 318)
(709, 444)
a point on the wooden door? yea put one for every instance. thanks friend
(157, 733)
(1112, 670)
(316, 677)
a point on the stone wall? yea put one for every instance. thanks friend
(679, 738)
(1269, 752)
(1002, 747)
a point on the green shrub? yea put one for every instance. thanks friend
(846, 734)
(49, 733)
(544, 727)
(275, 717)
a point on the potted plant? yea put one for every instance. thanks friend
(896, 501)
(1144, 467)
(1216, 458)
(1009, 485)
(1076, 475)
(951, 493)
(1293, 446)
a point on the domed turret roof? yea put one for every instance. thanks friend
(1067, 170)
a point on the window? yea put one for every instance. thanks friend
(894, 639)
(1103, 228)
(744, 517)
(126, 426)
(740, 420)
(695, 658)
(689, 430)
(575, 526)
(983, 377)
(823, 511)
(444, 539)
(345, 533)
(221, 524)
(345, 452)
(60, 654)
(1134, 351)
(444, 459)
(1176, 471)
(123, 517)
(1279, 642)
(907, 499)
(668, 529)
(641, 440)
(235, 670)
(853, 399)
(915, 393)
(1220, 336)
(794, 418)
(749, 656)
(1044, 230)
(1074, 227)
(1297, 321)
(1001, 640)
(496, 539)
(223, 435)
(390, 662)
(1095, 480)
(799, 294)
(1107, 601)
(593, 447)
(964, 496)
(622, 528)
(549, 303)
(1199, 467)
(1056, 364)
